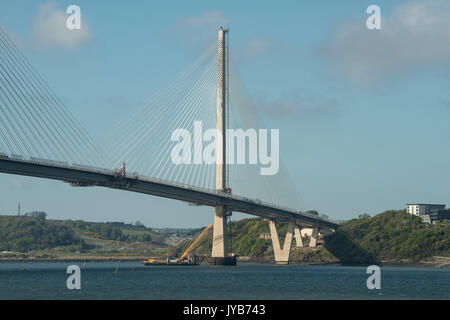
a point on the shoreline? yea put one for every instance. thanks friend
(73, 259)
(139, 259)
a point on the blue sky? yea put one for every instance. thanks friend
(363, 115)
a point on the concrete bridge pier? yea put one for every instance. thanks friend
(281, 255)
(220, 245)
(313, 239)
(298, 237)
(220, 251)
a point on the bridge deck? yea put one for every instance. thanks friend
(91, 176)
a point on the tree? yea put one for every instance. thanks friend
(145, 238)
(138, 224)
(363, 216)
(314, 212)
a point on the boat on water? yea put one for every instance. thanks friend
(186, 258)
(170, 262)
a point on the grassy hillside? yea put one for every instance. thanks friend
(391, 236)
(246, 241)
(25, 234)
(118, 231)
(19, 233)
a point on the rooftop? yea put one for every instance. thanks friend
(424, 204)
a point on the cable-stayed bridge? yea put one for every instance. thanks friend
(39, 137)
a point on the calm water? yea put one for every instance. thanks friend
(98, 281)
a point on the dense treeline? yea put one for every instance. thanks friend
(390, 236)
(245, 239)
(111, 230)
(20, 233)
(23, 233)
(395, 235)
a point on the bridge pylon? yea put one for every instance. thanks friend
(220, 237)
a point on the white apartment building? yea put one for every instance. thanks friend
(419, 209)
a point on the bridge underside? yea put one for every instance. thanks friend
(218, 200)
(103, 178)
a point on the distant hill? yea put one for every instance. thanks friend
(244, 238)
(118, 231)
(34, 232)
(391, 236)
(20, 233)
(246, 242)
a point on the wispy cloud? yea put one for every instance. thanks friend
(257, 47)
(415, 36)
(18, 184)
(17, 39)
(446, 103)
(200, 29)
(204, 20)
(298, 103)
(50, 31)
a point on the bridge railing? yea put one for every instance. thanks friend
(135, 175)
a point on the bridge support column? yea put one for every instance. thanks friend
(313, 239)
(281, 255)
(220, 246)
(298, 237)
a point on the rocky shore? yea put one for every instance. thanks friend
(73, 259)
(435, 262)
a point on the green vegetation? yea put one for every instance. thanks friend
(245, 239)
(391, 236)
(35, 233)
(112, 230)
(21, 233)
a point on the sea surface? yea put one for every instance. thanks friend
(245, 281)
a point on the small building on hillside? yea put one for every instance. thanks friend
(265, 236)
(430, 213)
(36, 214)
(418, 209)
(436, 216)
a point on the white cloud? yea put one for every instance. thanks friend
(415, 36)
(49, 28)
